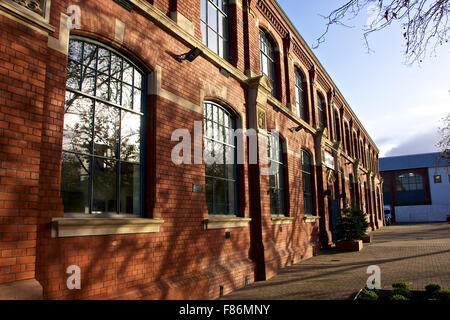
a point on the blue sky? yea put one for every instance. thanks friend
(401, 106)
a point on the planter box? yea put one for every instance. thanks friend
(355, 245)
(367, 239)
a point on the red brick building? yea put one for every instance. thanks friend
(91, 93)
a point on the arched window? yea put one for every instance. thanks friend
(300, 98)
(220, 166)
(276, 179)
(102, 139)
(409, 189)
(214, 25)
(336, 126)
(267, 53)
(351, 190)
(307, 179)
(348, 147)
(321, 111)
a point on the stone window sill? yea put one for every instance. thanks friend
(311, 218)
(223, 222)
(80, 227)
(281, 220)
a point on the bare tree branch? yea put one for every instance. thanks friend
(425, 23)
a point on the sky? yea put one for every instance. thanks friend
(401, 106)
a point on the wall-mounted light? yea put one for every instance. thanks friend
(189, 56)
(296, 129)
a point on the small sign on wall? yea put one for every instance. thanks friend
(197, 188)
(329, 160)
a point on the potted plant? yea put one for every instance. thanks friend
(351, 228)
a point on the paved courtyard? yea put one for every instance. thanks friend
(415, 253)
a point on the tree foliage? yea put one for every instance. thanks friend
(425, 22)
(352, 225)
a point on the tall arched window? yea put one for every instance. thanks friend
(321, 111)
(102, 139)
(307, 179)
(300, 98)
(276, 179)
(348, 147)
(336, 121)
(267, 54)
(214, 25)
(220, 166)
(351, 190)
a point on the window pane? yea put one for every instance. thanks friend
(103, 60)
(130, 188)
(127, 75)
(102, 89)
(73, 75)
(231, 197)
(137, 100)
(204, 33)
(75, 50)
(209, 194)
(88, 81)
(104, 186)
(203, 10)
(90, 55)
(130, 147)
(116, 66)
(106, 127)
(115, 90)
(212, 40)
(212, 17)
(75, 183)
(77, 136)
(219, 195)
(127, 96)
(137, 79)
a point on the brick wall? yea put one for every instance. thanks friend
(183, 260)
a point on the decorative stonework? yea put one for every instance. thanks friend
(272, 18)
(331, 179)
(261, 119)
(33, 5)
(301, 54)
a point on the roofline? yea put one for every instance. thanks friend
(316, 60)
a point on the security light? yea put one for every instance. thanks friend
(296, 129)
(190, 56)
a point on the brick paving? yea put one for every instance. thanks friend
(415, 253)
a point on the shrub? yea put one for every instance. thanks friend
(400, 285)
(367, 294)
(443, 295)
(352, 224)
(398, 297)
(402, 292)
(432, 290)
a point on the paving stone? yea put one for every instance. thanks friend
(418, 254)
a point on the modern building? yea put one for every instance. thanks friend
(95, 99)
(417, 187)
